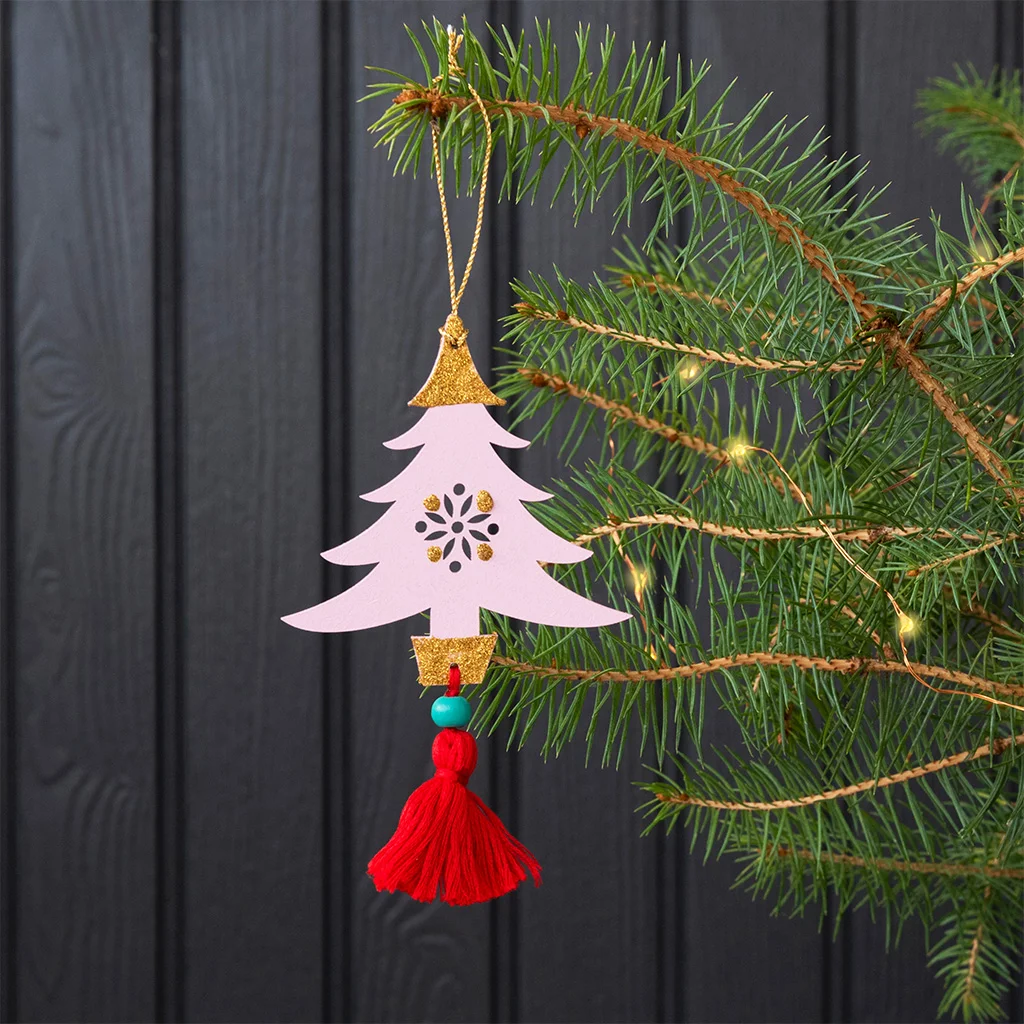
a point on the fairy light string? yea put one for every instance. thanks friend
(906, 623)
(454, 331)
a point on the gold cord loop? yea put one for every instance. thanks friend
(454, 380)
(454, 331)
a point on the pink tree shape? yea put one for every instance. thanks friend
(478, 548)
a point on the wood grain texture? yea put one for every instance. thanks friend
(901, 45)
(721, 927)
(8, 587)
(169, 518)
(594, 919)
(410, 962)
(336, 114)
(82, 249)
(251, 323)
(898, 46)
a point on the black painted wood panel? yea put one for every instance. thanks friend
(251, 278)
(80, 323)
(215, 301)
(8, 546)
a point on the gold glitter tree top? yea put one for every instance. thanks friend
(454, 379)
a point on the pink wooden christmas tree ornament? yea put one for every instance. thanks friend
(456, 538)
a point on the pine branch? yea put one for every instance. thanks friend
(982, 120)
(1005, 128)
(970, 996)
(976, 955)
(805, 662)
(985, 750)
(998, 624)
(896, 344)
(961, 555)
(864, 534)
(657, 282)
(560, 316)
(965, 284)
(949, 869)
(620, 411)
(438, 104)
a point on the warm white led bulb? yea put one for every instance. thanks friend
(641, 580)
(908, 625)
(689, 369)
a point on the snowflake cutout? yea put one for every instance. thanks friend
(455, 528)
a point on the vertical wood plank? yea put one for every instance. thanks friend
(8, 547)
(409, 961)
(588, 944)
(777, 47)
(251, 324)
(898, 47)
(82, 246)
(336, 114)
(168, 491)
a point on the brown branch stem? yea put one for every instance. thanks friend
(939, 303)
(653, 283)
(974, 610)
(970, 976)
(978, 445)
(786, 231)
(864, 534)
(804, 662)
(985, 750)
(621, 411)
(886, 864)
(531, 312)
(942, 562)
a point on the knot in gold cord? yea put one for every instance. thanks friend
(454, 331)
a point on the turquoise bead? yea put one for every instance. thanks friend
(451, 712)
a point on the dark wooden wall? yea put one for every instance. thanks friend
(215, 301)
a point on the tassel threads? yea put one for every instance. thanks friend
(448, 839)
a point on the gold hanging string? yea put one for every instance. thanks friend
(454, 330)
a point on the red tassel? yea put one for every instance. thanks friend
(448, 838)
